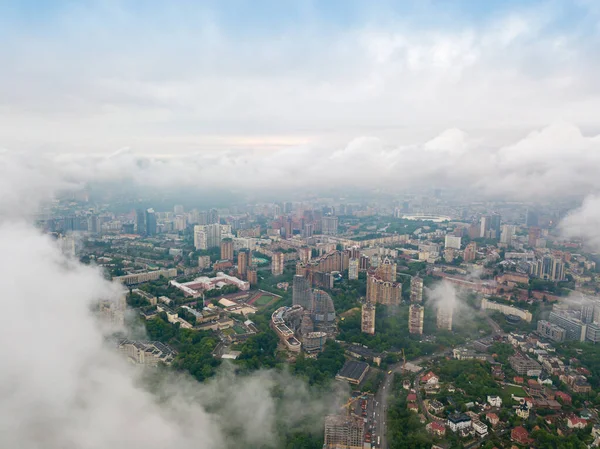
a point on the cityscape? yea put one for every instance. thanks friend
(333, 224)
(449, 324)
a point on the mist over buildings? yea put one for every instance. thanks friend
(64, 385)
(503, 110)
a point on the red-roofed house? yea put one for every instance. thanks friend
(575, 422)
(411, 397)
(518, 380)
(492, 418)
(564, 397)
(582, 370)
(520, 435)
(436, 428)
(430, 378)
(413, 407)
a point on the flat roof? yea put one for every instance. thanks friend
(353, 370)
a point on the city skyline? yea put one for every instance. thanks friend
(333, 224)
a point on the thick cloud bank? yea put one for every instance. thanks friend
(63, 386)
(555, 161)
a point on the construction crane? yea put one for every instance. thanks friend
(349, 403)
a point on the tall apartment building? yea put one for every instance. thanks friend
(444, 318)
(383, 292)
(470, 253)
(227, 249)
(495, 227)
(549, 268)
(353, 269)
(151, 228)
(415, 319)
(386, 270)
(180, 222)
(243, 262)
(367, 318)
(507, 235)
(212, 217)
(484, 228)
(277, 263)
(140, 222)
(452, 241)
(534, 234)
(323, 312)
(574, 328)
(551, 331)
(308, 230)
(416, 289)
(329, 225)
(304, 254)
(207, 236)
(301, 292)
(344, 432)
(592, 333)
(252, 275)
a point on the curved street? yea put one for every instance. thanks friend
(382, 395)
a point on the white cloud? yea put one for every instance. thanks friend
(63, 386)
(107, 80)
(554, 162)
(584, 223)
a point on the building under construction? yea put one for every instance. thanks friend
(344, 432)
(301, 292)
(367, 318)
(415, 319)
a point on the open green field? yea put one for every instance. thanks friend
(238, 329)
(264, 300)
(517, 391)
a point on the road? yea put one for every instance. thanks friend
(382, 395)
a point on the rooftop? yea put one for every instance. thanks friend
(353, 370)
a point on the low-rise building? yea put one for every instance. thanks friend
(524, 365)
(481, 429)
(492, 418)
(575, 422)
(436, 406)
(353, 372)
(430, 378)
(459, 421)
(494, 401)
(520, 435)
(523, 411)
(148, 353)
(564, 397)
(437, 429)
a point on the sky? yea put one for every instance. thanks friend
(170, 78)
